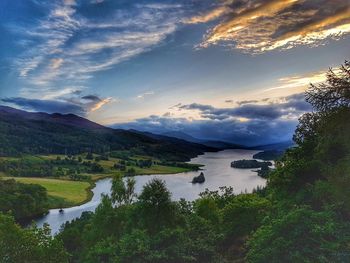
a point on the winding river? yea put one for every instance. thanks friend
(217, 171)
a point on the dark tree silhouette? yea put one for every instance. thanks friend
(333, 93)
(325, 98)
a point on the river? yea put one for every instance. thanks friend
(217, 171)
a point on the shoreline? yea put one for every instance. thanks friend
(98, 177)
(103, 184)
(92, 183)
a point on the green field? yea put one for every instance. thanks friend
(65, 190)
(62, 193)
(161, 169)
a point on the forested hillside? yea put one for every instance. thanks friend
(302, 215)
(41, 133)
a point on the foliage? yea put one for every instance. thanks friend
(250, 164)
(244, 214)
(31, 245)
(301, 235)
(334, 93)
(24, 201)
(269, 155)
(156, 205)
(310, 187)
(61, 193)
(123, 193)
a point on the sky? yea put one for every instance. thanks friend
(232, 70)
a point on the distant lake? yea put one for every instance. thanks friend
(217, 171)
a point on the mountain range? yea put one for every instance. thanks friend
(23, 132)
(209, 143)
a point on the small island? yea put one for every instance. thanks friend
(250, 164)
(198, 179)
(269, 155)
(254, 164)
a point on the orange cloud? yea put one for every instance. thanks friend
(247, 17)
(214, 14)
(277, 24)
(99, 104)
(301, 81)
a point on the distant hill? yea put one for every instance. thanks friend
(66, 119)
(181, 135)
(275, 146)
(209, 143)
(23, 132)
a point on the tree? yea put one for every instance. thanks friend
(29, 245)
(123, 192)
(301, 235)
(334, 93)
(130, 172)
(156, 206)
(325, 98)
(24, 201)
(243, 215)
(208, 209)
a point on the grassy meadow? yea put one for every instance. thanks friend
(69, 179)
(62, 193)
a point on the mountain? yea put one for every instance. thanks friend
(209, 143)
(23, 132)
(281, 146)
(181, 135)
(66, 119)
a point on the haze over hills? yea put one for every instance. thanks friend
(210, 143)
(227, 145)
(275, 146)
(42, 133)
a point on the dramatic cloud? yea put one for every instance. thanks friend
(214, 14)
(252, 123)
(258, 26)
(251, 133)
(287, 107)
(76, 105)
(71, 43)
(301, 81)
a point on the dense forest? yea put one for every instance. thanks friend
(24, 201)
(302, 215)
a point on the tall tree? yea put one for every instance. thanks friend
(123, 192)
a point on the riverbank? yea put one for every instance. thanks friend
(61, 193)
(215, 166)
(66, 193)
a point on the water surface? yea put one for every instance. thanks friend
(217, 171)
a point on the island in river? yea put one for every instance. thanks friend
(218, 173)
(253, 164)
(250, 164)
